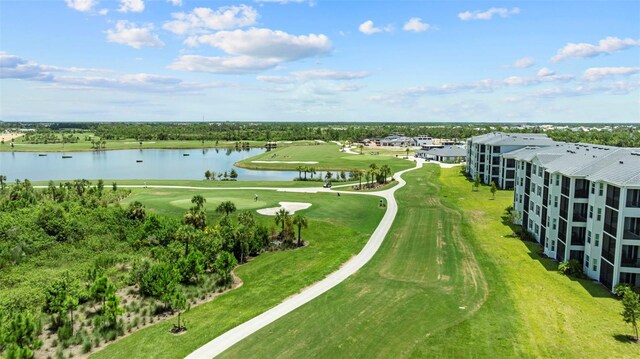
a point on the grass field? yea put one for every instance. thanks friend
(450, 282)
(82, 145)
(337, 230)
(328, 157)
(201, 183)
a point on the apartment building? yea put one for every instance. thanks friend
(485, 155)
(582, 202)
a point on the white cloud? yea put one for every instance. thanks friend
(597, 73)
(223, 65)
(368, 28)
(202, 19)
(488, 14)
(131, 6)
(315, 74)
(127, 33)
(103, 12)
(522, 63)
(545, 72)
(280, 1)
(265, 43)
(81, 5)
(607, 45)
(14, 67)
(415, 24)
(175, 2)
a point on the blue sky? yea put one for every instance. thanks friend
(299, 60)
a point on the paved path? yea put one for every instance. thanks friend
(233, 336)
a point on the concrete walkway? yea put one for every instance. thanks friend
(233, 336)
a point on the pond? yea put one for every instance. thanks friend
(132, 164)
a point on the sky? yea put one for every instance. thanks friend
(308, 60)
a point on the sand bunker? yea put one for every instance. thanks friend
(291, 207)
(303, 162)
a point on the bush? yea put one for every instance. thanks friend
(86, 345)
(571, 268)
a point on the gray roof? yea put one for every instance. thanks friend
(615, 165)
(447, 151)
(513, 139)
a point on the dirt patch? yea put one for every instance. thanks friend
(8, 136)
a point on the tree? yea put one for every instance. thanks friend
(3, 180)
(160, 281)
(476, 183)
(281, 217)
(114, 186)
(226, 207)
(407, 150)
(100, 186)
(185, 234)
(207, 175)
(631, 309)
(494, 188)
(233, 174)
(136, 211)
(300, 221)
(386, 171)
(111, 309)
(19, 336)
(224, 264)
(300, 169)
(191, 267)
(328, 176)
(179, 303)
(61, 297)
(361, 147)
(199, 201)
(99, 289)
(245, 230)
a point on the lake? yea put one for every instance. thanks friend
(123, 164)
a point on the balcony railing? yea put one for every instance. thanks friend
(577, 240)
(630, 235)
(631, 262)
(581, 193)
(579, 217)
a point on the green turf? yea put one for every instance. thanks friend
(201, 183)
(338, 228)
(449, 282)
(327, 155)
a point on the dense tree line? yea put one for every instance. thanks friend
(624, 135)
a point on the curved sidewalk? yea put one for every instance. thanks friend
(233, 336)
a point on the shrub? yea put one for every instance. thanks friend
(571, 268)
(86, 345)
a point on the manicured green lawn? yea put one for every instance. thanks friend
(201, 183)
(338, 228)
(327, 155)
(449, 282)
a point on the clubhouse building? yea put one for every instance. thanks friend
(579, 201)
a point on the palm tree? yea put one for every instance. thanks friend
(196, 218)
(185, 235)
(281, 217)
(385, 172)
(300, 169)
(226, 207)
(300, 221)
(3, 179)
(360, 174)
(361, 147)
(199, 201)
(407, 150)
(374, 171)
(207, 175)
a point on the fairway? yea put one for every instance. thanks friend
(449, 282)
(338, 228)
(327, 155)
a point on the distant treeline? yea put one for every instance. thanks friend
(621, 135)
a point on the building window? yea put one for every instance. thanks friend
(588, 236)
(601, 189)
(537, 210)
(530, 224)
(555, 201)
(534, 169)
(590, 211)
(553, 246)
(595, 265)
(537, 229)
(599, 214)
(539, 190)
(555, 220)
(531, 205)
(593, 188)
(597, 241)
(586, 261)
